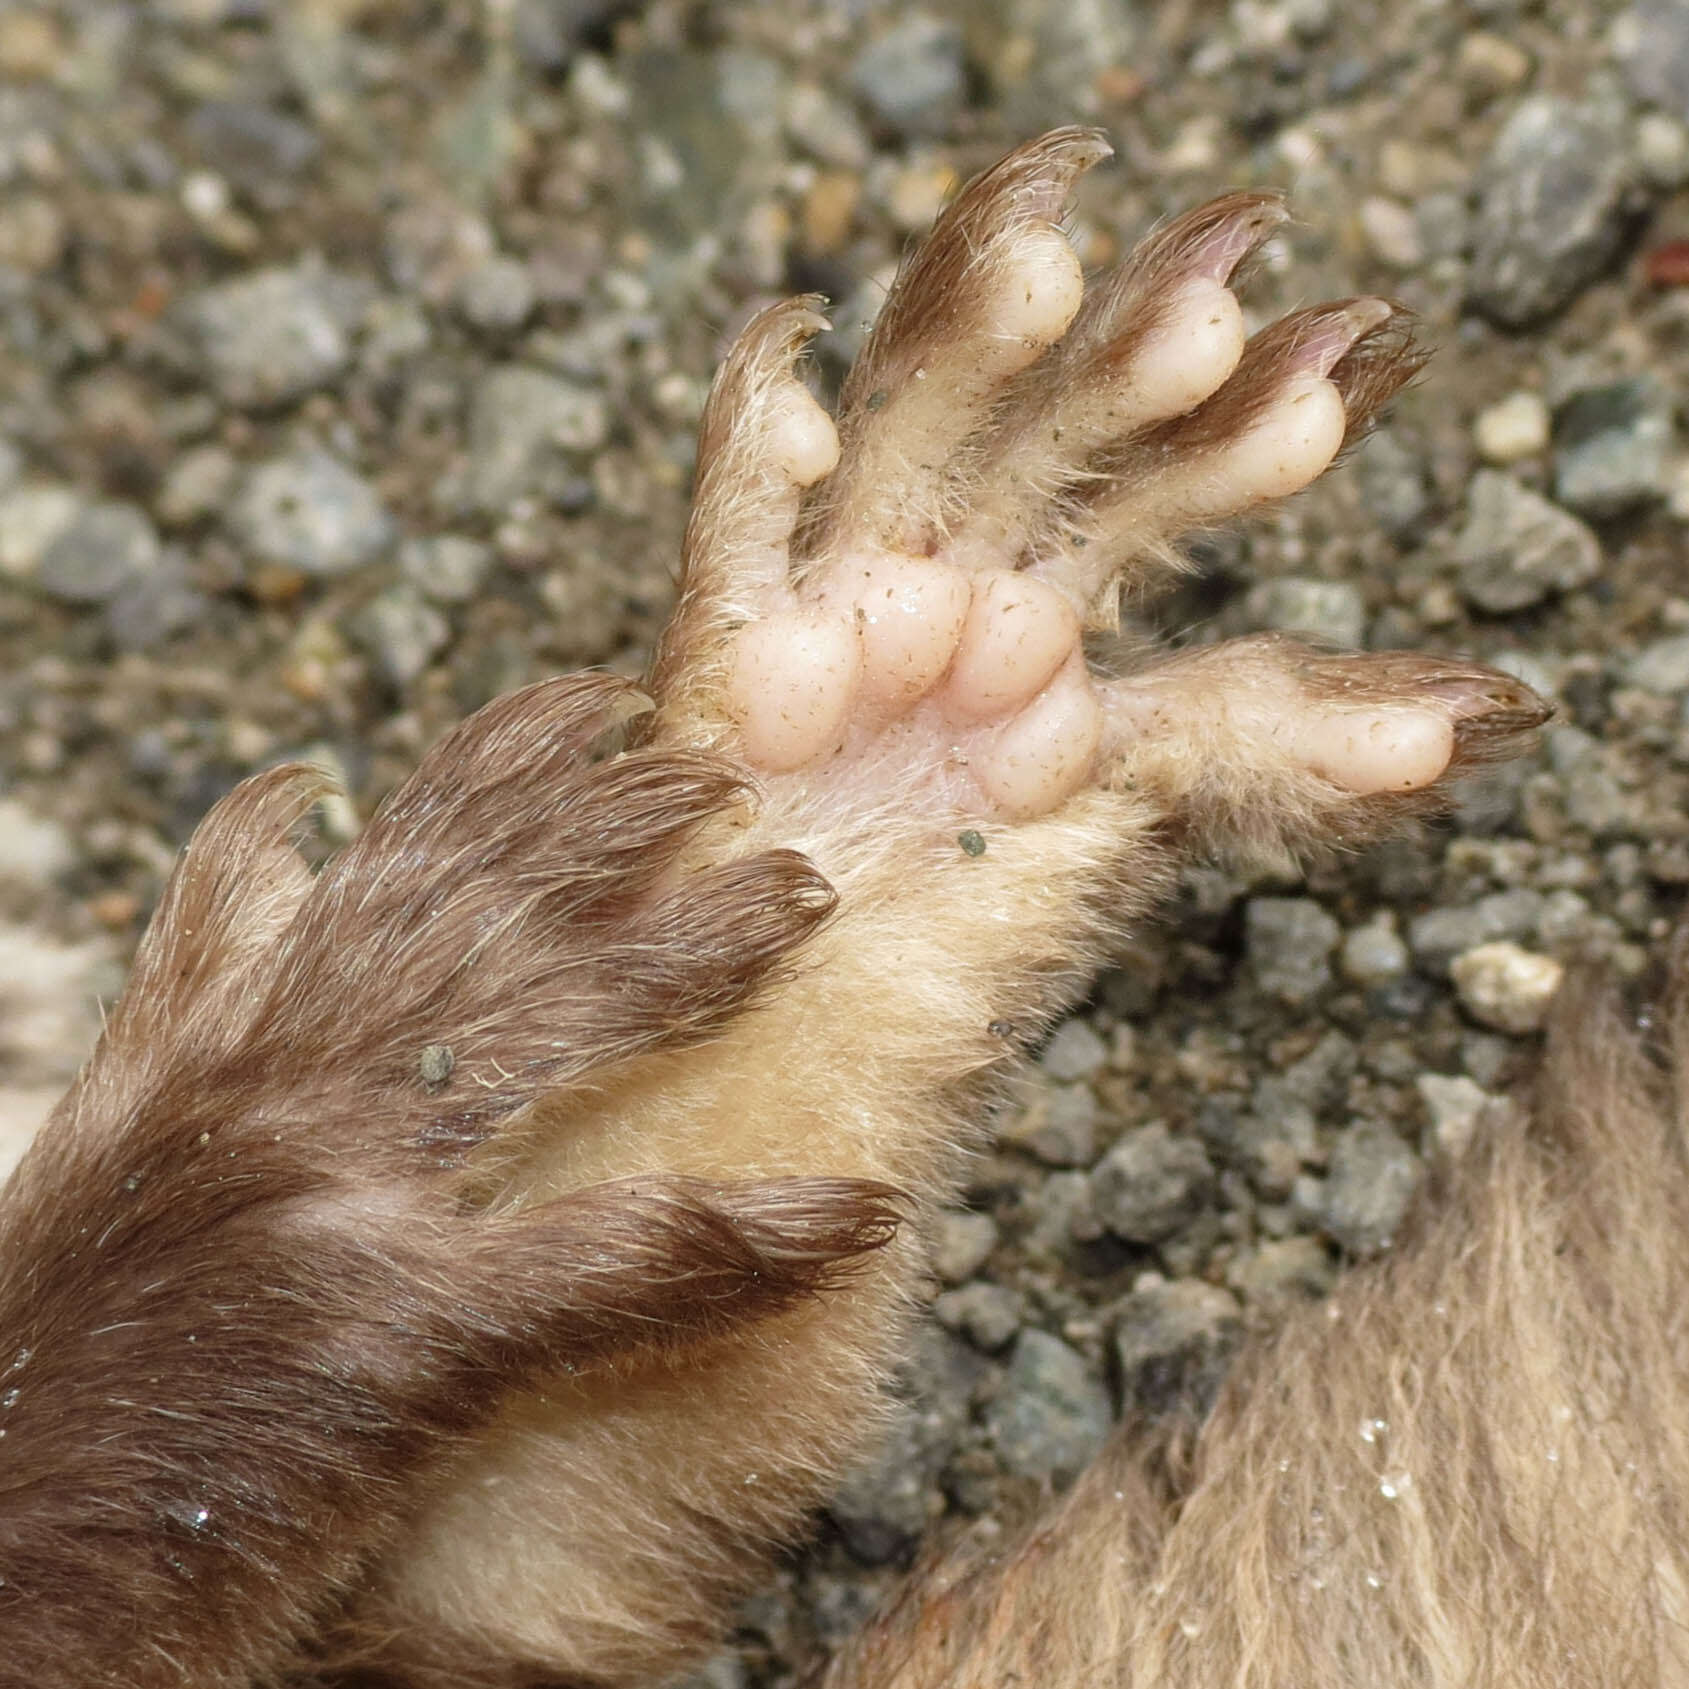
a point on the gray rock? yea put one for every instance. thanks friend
(1551, 208)
(1455, 1106)
(1331, 612)
(197, 484)
(1171, 1344)
(259, 149)
(447, 568)
(276, 334)
(1268, 1152)
(961, 1244)
(1058, 1125)
(105, 548)
(1283, 1270)
(1440, 935)
(401, 633)
(1372, 1179)
(1289, 942)
(1051, 1416)
(1612, 446)
(1151, 1184)
(1063, 1214)
(147, 612)
(1074, 1052)
(1394, 485)
(521, 421)
(496, 296)
(1374, 954)
(987, 1315)
(1654, 51)
(308, 511)
(547, 32)
(1517, 548)
(1315, 1084)
(1661, 666)
(912, 78)
(1506, 986)
(31, 518)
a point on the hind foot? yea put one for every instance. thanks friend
(905, 593)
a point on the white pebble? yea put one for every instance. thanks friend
(1516, 427)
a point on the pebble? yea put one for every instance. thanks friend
(1552, 198)
(1513, 428)
(1393, 485)
(826, 128)
(33, 232)
(1652, 45)
(1612, 446)
(1455, 1106)
(988, 1315)
(547, 33)
(401, 633)
(1050, 1417)
(497, 295)
(1392, 232)
(197, 484)
(31, 518)
(913, 78)
(1439, 935)
(34, 851)
(1371, 1181)
(308, 511)
(1505, 986)
(1172, 1341)
(277, 334)
(1151, 1184)
(259, 149)
(446, 568)
(1058, 1124)
(1374, 954)
(1491, 64)
(1331, 612)
(1062, 1214)
(962, 1243)
(1661, 144)
(1283, 1270)
(1075, 1051)
(1289, 941)
(104, 549)
(520, 421)
(1517, 548)
(1661, 666)
(1267, 1150)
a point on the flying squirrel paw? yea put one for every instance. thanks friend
(907, 589)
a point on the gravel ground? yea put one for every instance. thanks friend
(350, 355)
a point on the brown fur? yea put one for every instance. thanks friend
(1469, 1468)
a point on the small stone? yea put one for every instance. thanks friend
(1611, 447)
(1375, 953)
(1455, 1105)
(1506, 986)
(1440, 935)
(1652, 44)
(401, 633)
(1393, 485)
(104, 549)
(1513, 428)
(31, 46)
(1491, 64)
(826, 128)
(1058, 1125)
(1289, 942)
(497, 295)
(1661, 144)
(1517, 548)
(962, 1243)
(1331, 612)
(548, 33)
(446, 568)
(1063, 1214)
(198, 484)
(259, 149)
(1552, 201)
(1661, 666)
(1151, 1184)
(521, 421)
(33, 232)
(1291, 1269)
(435, 1065)
(1051, 1416)
(913, 78)
(34, 851)
(986, 1314)
(276, 334)
(1392, 232)
(1172, 1342)
(307, 511)
(1371, 1181)
(31, 518)
(1074, 1052)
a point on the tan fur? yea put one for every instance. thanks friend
(1469, 1468)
